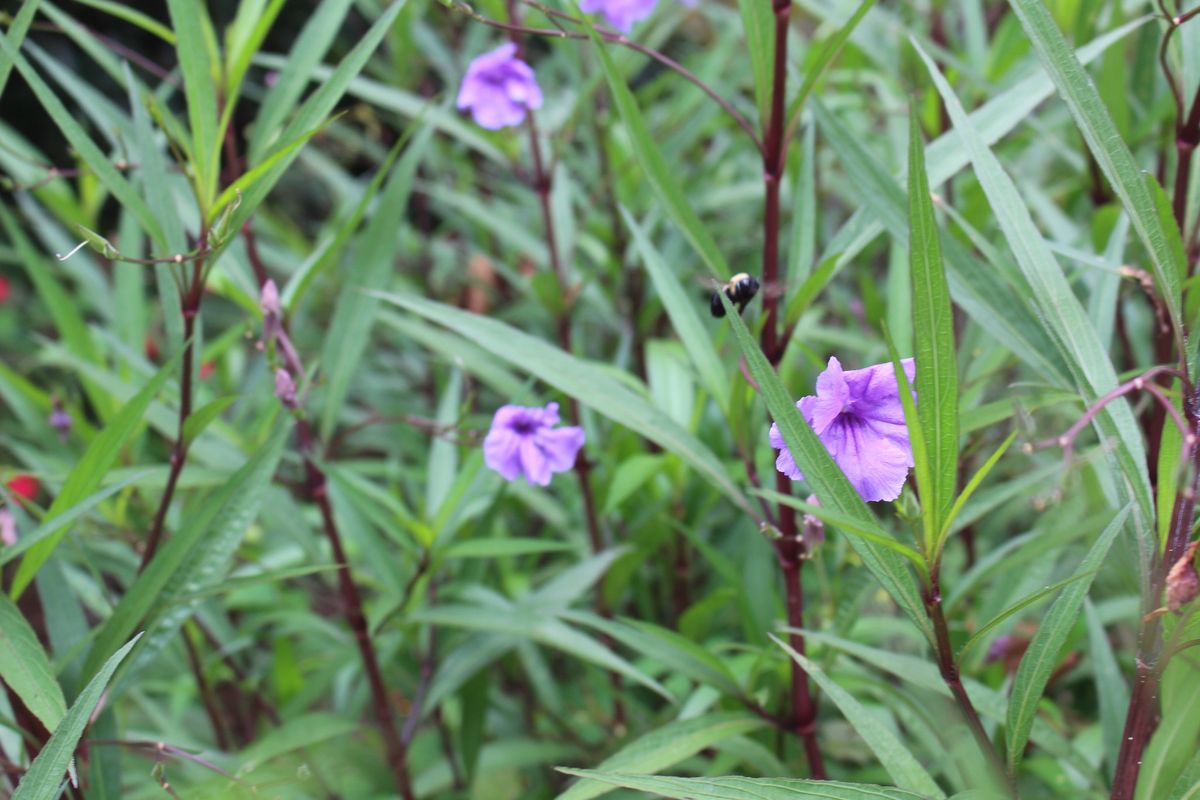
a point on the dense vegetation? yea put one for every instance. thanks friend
(761, 399)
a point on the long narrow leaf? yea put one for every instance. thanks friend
(45, 774)
(1042, 656)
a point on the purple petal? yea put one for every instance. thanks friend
(833, 394)
(501, 452)
(560, 446)
(875, 466)
(534, 463)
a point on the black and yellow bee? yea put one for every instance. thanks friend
(740, 290)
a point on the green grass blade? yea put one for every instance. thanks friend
(309, 48)
(86, 476)
(758, 26)
(26, 670)
(933, 339)
(588, 384)
(45, 774)
(827, 479)
(1091, 370)
(91, 154)
(190, 21)
(654, 167)
(976, 481)
(1024, 602)
(681, 308)
(356, 309)
(315, 109)
(16, 33)
(666, 746)
(1041, 658)
(173, 570)
(899, 762)
(738, 788)
(1107, 147)
(827, 52)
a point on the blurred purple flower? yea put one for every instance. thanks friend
(621, 14)
(8, 528)
(524, 441)
(499, 88)
(60, 420)
(859, 418)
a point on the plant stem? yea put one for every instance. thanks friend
(790, 551)
(190, 299)
(949, 670)
(789, 548)
(352, 605)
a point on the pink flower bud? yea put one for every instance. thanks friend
(285, 388)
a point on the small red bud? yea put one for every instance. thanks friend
(24, 486)
(4, 290)
(206, 370)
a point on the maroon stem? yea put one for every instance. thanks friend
(397, 755)
(190, 307)
(789, 548)
(803, 719)
(352, 604)
(1141, 719)
(948, 668)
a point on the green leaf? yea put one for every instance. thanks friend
(86, 476)
(901, 764)
(503, 548)
(586, 383)
(827, 52)
(17, 28)
(191, 22)
(933, 338)
(681, 308)
(26, 670)
(314, 110)
(737, 788)
(189, 561)
(309, 48)
(976, 481)
(844, 523)
(133, 17)
(1111, 691)
(203, 416)
(1041, 658)
(1108, 148)
(655, 169)
(354, 315)
(1024, 602)
(677, 653)
(827, 479)
(758, 26)
(538, 627)
(44, 777)
(1089, 365)
(91, 154)
(665, 747)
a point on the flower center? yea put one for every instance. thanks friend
(524, 427)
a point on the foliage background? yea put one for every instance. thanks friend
(507, 639)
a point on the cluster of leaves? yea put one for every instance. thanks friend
(628, 621)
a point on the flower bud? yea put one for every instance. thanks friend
(285, 388)
(1183, 584)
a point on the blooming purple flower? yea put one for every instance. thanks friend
(621, 14)
(524, 441)
(499, 88)
(859, 418)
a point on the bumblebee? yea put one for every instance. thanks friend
(740, 290)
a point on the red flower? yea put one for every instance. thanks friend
(4, 290)
(206, 370)
(24, 486)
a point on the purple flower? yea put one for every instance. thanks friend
(498, 89)
(621, 14)
(859, 418)
(524, 441)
